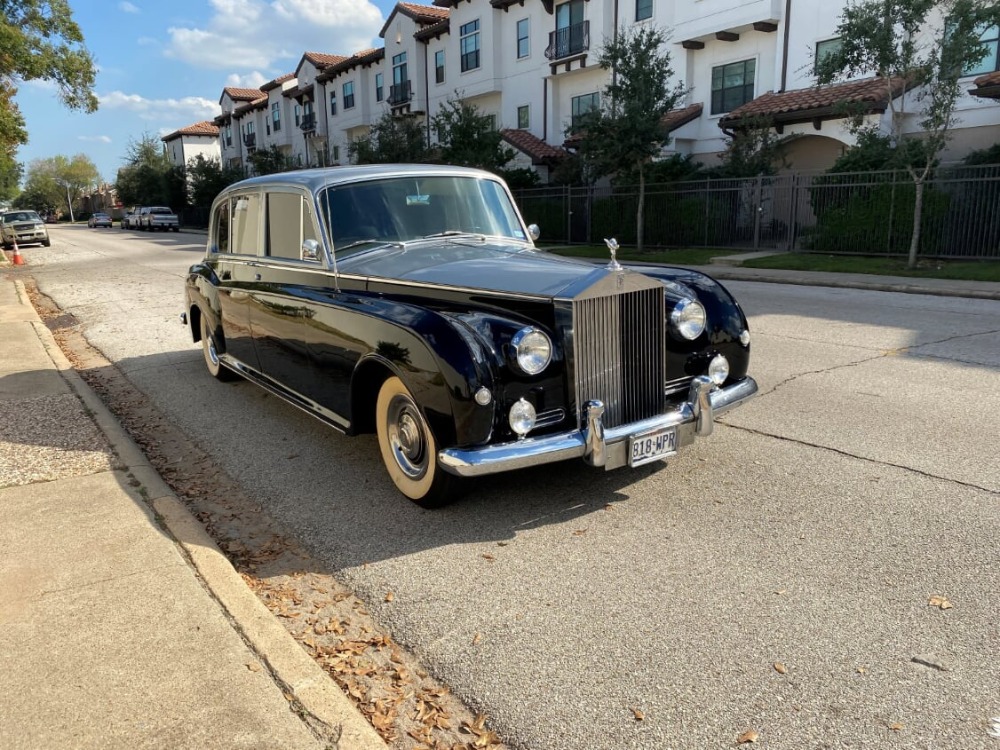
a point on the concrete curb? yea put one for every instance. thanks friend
(295, 671)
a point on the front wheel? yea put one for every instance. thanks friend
(409, 450)
(211, 354)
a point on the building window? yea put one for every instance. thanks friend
(335, 153)
(732, 85)
(298, 115)
(826, 47)
(991, 60)
(229, 135)
(643, 9)
(469, 45)
(439, 66)
(276, 116)
(523, 44)
(333, 103)
(572, 34)
(492, 121)
(349, 95)
(582, 105)
(523, 119)
(399, 91)
(379, 80)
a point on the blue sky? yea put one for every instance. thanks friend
(162, 64)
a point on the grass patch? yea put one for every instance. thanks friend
(927, 269)
(700, 256)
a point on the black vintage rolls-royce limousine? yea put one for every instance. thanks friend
(410, 301)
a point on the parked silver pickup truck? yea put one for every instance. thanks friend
(152, 218)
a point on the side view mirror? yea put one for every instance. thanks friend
(534, 232)
(310, 250)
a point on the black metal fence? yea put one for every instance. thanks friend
(862, 212)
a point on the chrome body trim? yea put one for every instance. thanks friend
(599, 445)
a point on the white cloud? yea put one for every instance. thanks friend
(187, 109)
(147, 41)
(253, 80)
(127, 7)
(254, 35)
(94, 138)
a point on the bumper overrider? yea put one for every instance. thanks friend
(600, 446)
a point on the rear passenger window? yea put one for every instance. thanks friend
(289, 223)
(220, 243)
(246, 223)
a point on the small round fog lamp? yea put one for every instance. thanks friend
(718, 369)
(522, 417)
(483, 396)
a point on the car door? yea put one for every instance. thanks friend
(235, 245)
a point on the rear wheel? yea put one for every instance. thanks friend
(211, 353)
(409, 450)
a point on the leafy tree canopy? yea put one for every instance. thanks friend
(468, 138)
(392, 140)
(270, 160)
(145, 179)
(207, 178)
(57, 182)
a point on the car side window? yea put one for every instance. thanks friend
(245, 227)
(289, 224)
(220, 243)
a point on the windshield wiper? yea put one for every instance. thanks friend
(356, 243)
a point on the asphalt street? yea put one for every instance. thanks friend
(775, 577)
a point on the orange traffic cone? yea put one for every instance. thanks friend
(17, 259)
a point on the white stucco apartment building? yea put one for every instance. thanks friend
(532, 66)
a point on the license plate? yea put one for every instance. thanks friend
(652, 446)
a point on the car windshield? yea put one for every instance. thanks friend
(20, 216)
(409, 208)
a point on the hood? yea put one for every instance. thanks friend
(472, 264)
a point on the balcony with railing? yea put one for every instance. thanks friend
(308, 123)
(399, 94)
(250, 140)
(568, 41)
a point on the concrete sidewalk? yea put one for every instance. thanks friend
(121, 623)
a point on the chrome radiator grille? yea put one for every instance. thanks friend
(618, 343)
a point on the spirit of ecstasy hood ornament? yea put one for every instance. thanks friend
(612, 244)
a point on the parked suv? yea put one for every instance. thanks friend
(152, 218)
(26, 227)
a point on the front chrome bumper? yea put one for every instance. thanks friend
(597, 445)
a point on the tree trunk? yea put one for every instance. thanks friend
(69, 204)
(640, 211)
(918, 209)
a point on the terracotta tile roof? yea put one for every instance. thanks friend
(322, 60)
(819, 102)
(203, 128)
(674, 119)
(273, 84)
(433, 31)
(364, 57)
(240, 95)
(260, 103)
(421, 14)
(987, 85)
(298, 91)
(539, 151)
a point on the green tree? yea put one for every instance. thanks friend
(392, 140)
(59, 181)
(926, 45)
(270, 160)
(146, 177)
(468, 138)
(627, 131)
(753, 149)
(39, 41)
(207, 178)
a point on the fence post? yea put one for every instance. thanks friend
(708, 197)
(757, 212)
(569, 214)
(892, 212)
(793, 210)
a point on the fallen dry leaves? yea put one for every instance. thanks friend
(639, 715)
(747, 737)
(406, 706)
(780, 668)
(941, 602)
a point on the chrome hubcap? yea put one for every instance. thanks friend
(406, 437)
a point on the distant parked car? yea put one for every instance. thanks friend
(99, 220)
(153, 218)
(131, 218)
(24, 226)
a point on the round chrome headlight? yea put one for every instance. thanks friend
(689, 318)
(532, 349)
(718, 369)
(522, 417)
